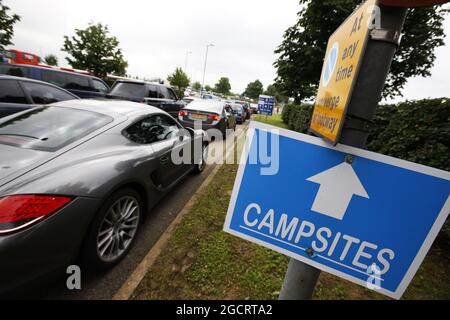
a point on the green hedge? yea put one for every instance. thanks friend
(297, 117)
(417, 131)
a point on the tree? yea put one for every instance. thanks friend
(302, 50)
(7, 22)
(51, 60)
(223, 86)
(180, 81)
(254, 90)
(93, 49)
(273, 91)
(208, 88)
(197, 86)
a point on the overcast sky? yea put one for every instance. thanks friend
(155, 36)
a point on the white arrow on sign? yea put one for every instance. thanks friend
(337, 187)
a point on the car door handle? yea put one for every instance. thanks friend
(164, 160)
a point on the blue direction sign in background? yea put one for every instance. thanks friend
(362, 216)
(266, 105)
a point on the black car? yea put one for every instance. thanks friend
(254, 109)
(239, 112)
(247, 109)
(210, 114)
(151, 93)
(19, 94)
(84, 86)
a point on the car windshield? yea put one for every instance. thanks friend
(128, 90)
(50, 128)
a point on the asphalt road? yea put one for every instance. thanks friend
(103, 286)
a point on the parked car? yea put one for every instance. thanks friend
(246, 107)
(19, 94)
(78, 177)
(21, 57)
(210, 96)
(239, 113)
(151, 93)
(254, 108)
(210, 114)
(82, 85)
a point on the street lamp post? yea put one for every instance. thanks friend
(186, 61)
(204, 68)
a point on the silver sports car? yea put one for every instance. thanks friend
(76, 179)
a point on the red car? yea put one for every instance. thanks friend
(21, 57)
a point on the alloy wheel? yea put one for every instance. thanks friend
(118, 229)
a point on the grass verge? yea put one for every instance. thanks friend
(202, 262)
(274, 120)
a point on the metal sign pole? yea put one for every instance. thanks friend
(300, 279)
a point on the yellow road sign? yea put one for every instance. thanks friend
(343, 58)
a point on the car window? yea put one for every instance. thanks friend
(172, 94)
(77, 83)
(44, 94)
(153, 92)
(152, 129)
(12, 71)
(100, 86)
(10, 92)
(50, 128)
(129, 90)
(53, 77)
(27, 56)
(167, 93)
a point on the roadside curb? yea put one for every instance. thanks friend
(130, 285)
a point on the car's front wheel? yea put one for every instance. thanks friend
(113, 231)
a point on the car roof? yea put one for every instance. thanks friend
(54, 70)
(140, 82)
(206, 105)
(6, 77)
(208, 102)
(112, 108)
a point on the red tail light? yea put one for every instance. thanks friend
(182, 114)
(22, 210)
(214, 118)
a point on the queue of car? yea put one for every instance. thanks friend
(77, 176)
